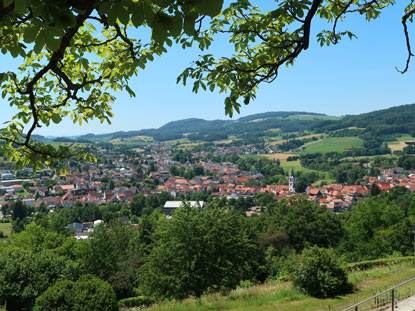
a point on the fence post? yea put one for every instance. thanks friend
(393, 299)
(356, 308)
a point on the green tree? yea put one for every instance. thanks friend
(111, 257)
(74, 55)
(84, 295)
(320, 273)
(305, 223)
(137, 204)
(374, 228)
(197, 250)
(25, 274)
(19, 210)
(374, 190)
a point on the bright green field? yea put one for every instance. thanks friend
(311, 117)
(403, 138)
(333, 144)
(284, 297)
(295, 165)
(136, 141)
(6, 228)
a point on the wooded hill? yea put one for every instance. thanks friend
(380, 124)
(394, 120)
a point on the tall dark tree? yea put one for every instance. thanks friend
(196, 250)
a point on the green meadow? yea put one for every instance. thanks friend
(332, 144)
(283, 296)
(6, 228)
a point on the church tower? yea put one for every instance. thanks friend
(291, 181)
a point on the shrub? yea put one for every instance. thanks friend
(320, 273)
(84, 295)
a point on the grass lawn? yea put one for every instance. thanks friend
(295, 165)
(6, 228)
(284, 297)
(336, 144)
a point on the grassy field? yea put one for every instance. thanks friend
(284, 297)
(312, 117)
(336, 144)
(277, 140)
(288, 165)
(399, 143)
(6, 228)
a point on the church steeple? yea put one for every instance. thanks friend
(291, 181)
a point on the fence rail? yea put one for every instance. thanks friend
(385, 300)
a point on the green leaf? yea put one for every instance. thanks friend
(112, 17)
(210, 7)
(130, 91)
(56, 118)
(6, 3)
(20, 5)
(176, 27)
(30, 33)
(105, 7)
(40, 42)
(138, 16)
(121, 13)
(148, 13)
(158, 33)
(189, 26)
(52, 43)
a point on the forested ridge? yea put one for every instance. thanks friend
(393, 120)
(377, 124)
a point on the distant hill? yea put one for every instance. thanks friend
(380, 123)
(394, 120)
(205, 129)
(276, 114)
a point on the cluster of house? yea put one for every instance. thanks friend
(337, 197)
(118, 178)
(246, 149)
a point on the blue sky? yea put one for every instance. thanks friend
(353, 77)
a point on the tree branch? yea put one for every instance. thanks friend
(408, 44)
